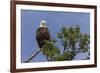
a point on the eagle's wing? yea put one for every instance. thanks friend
(42, 35)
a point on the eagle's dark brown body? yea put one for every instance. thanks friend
(42, 35)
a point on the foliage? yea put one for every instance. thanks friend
(50, 50)
(73, 42)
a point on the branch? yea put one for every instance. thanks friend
(47, 58)
(75, 53)
(63, 46)
(64, 49)
(28, 60)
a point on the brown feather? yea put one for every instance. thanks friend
(42, 35)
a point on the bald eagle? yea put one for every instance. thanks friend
(42, 34)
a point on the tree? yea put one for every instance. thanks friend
(73, 42)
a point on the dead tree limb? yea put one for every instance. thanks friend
(28, 60)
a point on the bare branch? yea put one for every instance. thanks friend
(28, 60)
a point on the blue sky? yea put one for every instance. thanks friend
(30, 21)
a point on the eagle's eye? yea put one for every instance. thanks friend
(43, 24)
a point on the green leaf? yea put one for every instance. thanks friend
(71, 39)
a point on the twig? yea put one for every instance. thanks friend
(64, 49)
(75, 53)
(28, 60)
(47, 58)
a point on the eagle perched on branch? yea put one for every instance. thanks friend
(42, 34)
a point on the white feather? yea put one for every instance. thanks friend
(42, 22)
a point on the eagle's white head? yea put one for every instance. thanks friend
(42, 23)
